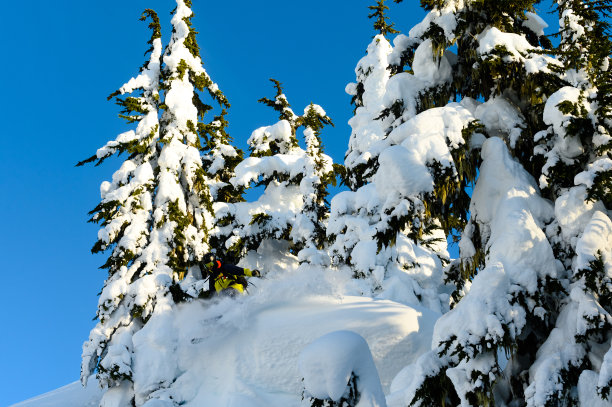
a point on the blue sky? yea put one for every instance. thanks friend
(61, 60)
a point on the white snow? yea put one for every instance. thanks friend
(587, 391)
(501, 118)
(328, 362)
(517, 47)
(73, 394)
(429, 69)
(244, 352)
(535, 23)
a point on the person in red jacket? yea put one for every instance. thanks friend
(225, 278)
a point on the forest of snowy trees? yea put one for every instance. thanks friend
(475, 127)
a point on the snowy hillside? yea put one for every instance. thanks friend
(244, 352)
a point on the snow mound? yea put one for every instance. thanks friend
(244, 352)
(328, 363)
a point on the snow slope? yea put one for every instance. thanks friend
(244, 352)
(72, 395)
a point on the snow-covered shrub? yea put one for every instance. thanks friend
(339, 371)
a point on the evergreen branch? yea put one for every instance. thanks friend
(154, 25)
(86, 161)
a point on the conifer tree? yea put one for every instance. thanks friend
(391, 227)
(157, 213)
(513, 264)
(126, 218)
(293, 207)
(372, 76)
(310, 225)
(576, 175)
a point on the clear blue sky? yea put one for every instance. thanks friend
(60, 61)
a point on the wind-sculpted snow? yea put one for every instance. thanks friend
(244, 352)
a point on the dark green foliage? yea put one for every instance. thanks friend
(566, 394)
(594, 14)
(282, 106)
(154, 26)
(349, 399)
(215, 135)
(179, 254)
(280, 103)
(604, 392)
(316, 206)
(585, 53)
(319, 206)
(501, 74)
(601, 190)
(114, 374)
(598, 282)
(137, 211)
(260, 218)
(357, 99)
(381, 24)
(357, 176)
(436, 390)
(447, 207)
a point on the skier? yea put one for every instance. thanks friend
(226, 279)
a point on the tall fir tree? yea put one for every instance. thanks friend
(157, 214)
(575, 361)
(407, 173)
(372, 76)
(125, 214)
(515, 270)
(382, 25)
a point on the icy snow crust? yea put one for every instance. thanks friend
(244, 352)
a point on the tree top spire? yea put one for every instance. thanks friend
(381, 24)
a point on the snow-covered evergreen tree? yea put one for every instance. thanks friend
(571, 365)
(125, 214)
(309, 230)
(293, 206)
(511, 339)
(407, 173)
(157, 213)
(372, 76)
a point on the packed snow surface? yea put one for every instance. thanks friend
(244, 352)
